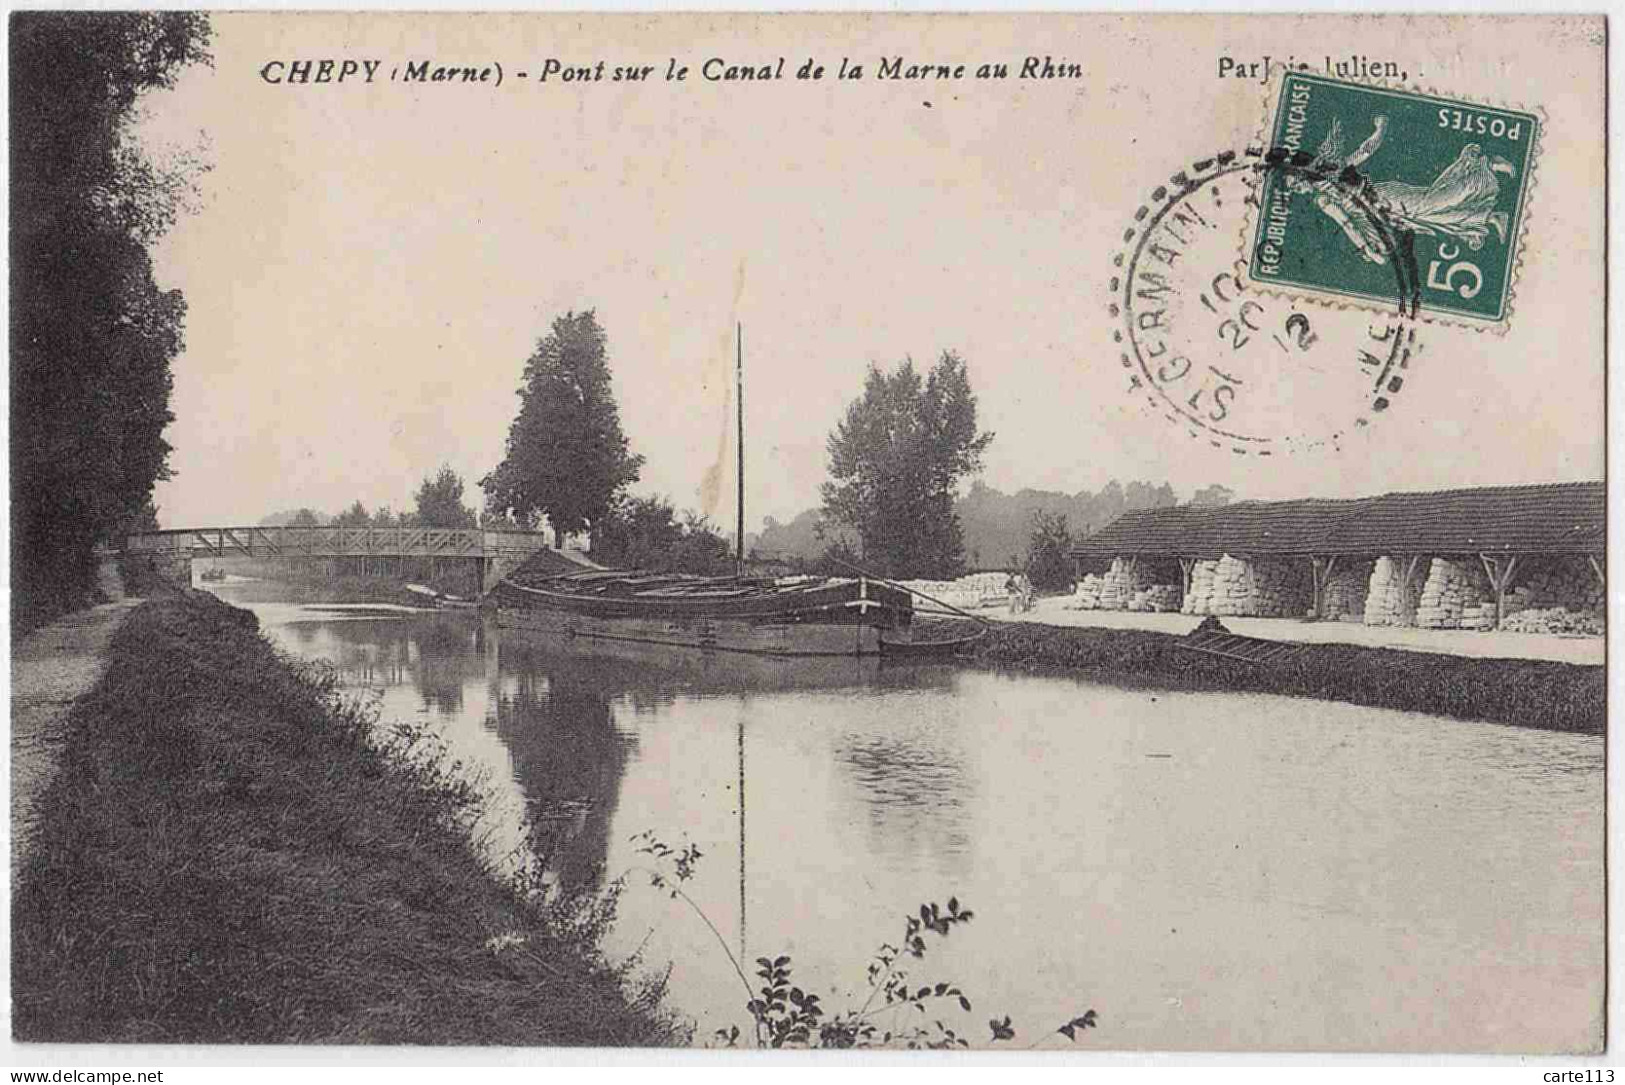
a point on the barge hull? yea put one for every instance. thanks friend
(756, 636)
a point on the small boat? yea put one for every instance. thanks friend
(928, 649)
(1213, 639)
(213, 576)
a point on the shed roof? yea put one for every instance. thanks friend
(1566, 517)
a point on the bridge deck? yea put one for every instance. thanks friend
(318, 542)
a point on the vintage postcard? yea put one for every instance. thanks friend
(1035, 532)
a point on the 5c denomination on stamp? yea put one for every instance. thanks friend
(1449, 178)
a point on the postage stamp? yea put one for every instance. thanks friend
(1252, 371)
(1449, 178)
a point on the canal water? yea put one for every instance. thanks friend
(1206, 871)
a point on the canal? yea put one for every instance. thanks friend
(1207, 871)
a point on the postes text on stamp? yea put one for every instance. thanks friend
(1450, 178)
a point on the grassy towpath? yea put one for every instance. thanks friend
(231, 852)
(51, 668)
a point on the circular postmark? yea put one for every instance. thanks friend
(1233, 364)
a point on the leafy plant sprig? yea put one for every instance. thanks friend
(784, 1015)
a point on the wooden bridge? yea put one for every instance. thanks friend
(367, 549)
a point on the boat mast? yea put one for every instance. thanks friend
(739, 400)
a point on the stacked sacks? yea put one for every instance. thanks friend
(1565, 585)
(1199, 600)
(1262, 589)
(1343, 597)
(974, 590)
(1119, 585)
(1454, 596)
(1282, 588)
(1087, 597)
(1480, 616)
(1158, 598)
(1232, 587)
(1554, 620)
(1390, 600)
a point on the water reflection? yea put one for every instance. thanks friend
(570, 760)
(915, 792)
(1209, 871)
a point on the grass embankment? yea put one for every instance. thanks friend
(231, 855)
(1525, 693)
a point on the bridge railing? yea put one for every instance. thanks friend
(335, 541)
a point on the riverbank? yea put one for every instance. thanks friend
(52, 667)
(231, 855)
(1525, 693)
(1500, 644)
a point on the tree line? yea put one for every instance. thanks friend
(895, 461)
(438, 503)
(92, 335)
(891, 504)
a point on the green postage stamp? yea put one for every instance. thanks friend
(1392, 195)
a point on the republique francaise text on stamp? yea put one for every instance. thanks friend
(1449, 178)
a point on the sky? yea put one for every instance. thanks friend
(370, 265)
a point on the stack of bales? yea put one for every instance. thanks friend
(1235, 586)
(1343, 597)
(1199, 599)
(1555, 620)
(976, 589)
(1457, 595)
(1391, 599)
(1120, 583)
(1158, 598)
(1284, 588)
(1087, 596)
(1566, 586)
(1561, 597)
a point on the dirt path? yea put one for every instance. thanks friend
(50, 669)
(1504, 645)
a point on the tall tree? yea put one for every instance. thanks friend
(567, 458)
(645, 533)
(895, 462)
(440, 502)
(92, 335)
(1213, 496)
(1049, 551)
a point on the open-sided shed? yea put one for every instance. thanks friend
(1497, 525)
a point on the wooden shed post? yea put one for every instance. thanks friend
(1500, 577)
(1320, 573)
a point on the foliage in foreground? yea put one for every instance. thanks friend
(233, 853)
(783, 1015)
